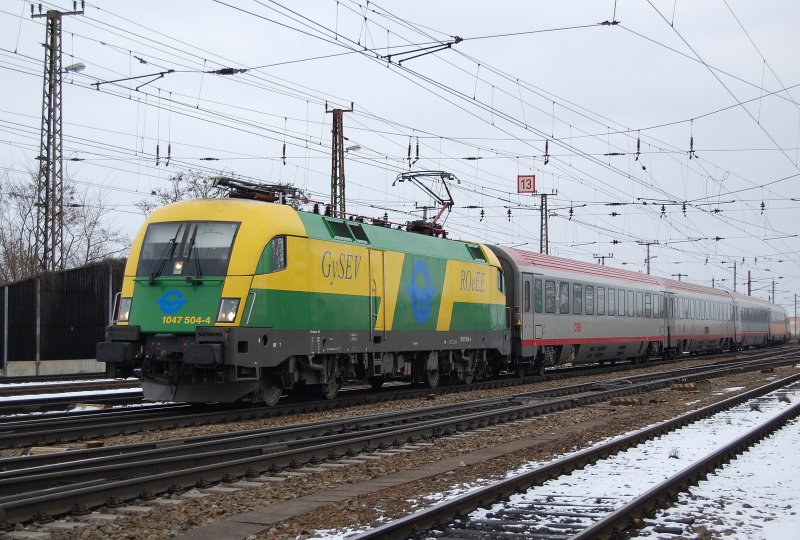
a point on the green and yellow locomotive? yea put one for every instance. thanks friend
(235, 299)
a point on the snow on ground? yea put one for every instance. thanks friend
(756, 496)
(656, 460)
(10, 382)
(659, 459)
(77, 394)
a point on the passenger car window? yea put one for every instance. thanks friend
(537, 296)
(563, 297)
(577, 299)
(648, 307)
(612, 302)
(601, 301)
(639, 304)
(589, 300)
(550, 296)
(527, 300)
(629, 303)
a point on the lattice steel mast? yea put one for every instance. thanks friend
(337, 162)
(50, 180)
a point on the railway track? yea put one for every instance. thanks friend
(55, 483)
(59, 428)
(601, 491)
(20, 398)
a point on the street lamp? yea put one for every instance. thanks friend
(75, 68)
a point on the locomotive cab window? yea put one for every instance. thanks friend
(273, 259)
(187, 248)
(501, 283)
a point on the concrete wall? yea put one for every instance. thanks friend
(54, 367)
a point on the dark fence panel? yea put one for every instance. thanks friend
(2, 325)
(22, 320)
(75, 306)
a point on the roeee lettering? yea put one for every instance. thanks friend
(473, 281)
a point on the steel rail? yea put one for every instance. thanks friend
(48, 429)
(656, 497)
(447, 511)
(161, 475)
(56, 402)
(347, 397)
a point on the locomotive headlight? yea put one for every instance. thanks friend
(227, 310)
(124, 309)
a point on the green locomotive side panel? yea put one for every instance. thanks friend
(171, 305)
(301, 310)
(469, 316)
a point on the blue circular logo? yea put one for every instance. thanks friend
(420, 292)
(171, 301)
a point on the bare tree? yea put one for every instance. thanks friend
(184, 185)
(17, 229)
(88, 235)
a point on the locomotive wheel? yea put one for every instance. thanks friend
(469, 377)
(270, 392)
(432, 378)
(376, 382)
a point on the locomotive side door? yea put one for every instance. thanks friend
(377, 296)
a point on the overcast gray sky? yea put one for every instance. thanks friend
(528, 79)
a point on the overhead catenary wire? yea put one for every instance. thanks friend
(571, 175)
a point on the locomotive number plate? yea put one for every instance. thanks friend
(180, 319)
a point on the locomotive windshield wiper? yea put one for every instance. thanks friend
(169, 250)
(197, 270)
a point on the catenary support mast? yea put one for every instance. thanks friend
(50, 179)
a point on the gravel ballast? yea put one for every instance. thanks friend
(554, 434)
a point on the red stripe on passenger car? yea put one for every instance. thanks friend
(635, 339)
